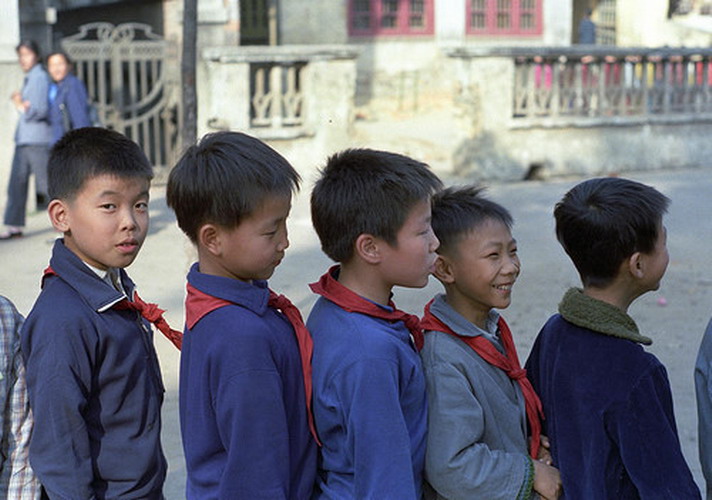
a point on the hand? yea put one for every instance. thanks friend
(544, 451)
(547, 481)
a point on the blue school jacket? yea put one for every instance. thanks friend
(242, 405)
(608, 407)
(369, 406)
(95, 388)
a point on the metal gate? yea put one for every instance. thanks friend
(132, 76)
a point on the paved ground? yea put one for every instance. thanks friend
(676, 327)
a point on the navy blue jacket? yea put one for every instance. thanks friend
(369, 405)
(609, 416)
(242, 404)
(71, 94)
(95, 388)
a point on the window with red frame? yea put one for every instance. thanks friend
(390, 17)
(504, 17)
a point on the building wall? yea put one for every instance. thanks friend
(644, 23)
(312, 22)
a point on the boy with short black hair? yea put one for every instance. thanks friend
(371, 210)
(479, 400)
(245, 383)
(609, 411)
(93, 376)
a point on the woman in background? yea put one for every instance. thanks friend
(68, 103)
(32, 141)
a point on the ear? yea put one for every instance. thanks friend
(59, 215)
(636, 265)
(209, 238)
(443, 270)
(368, 248)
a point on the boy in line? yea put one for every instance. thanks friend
(17, 479)
(703, 393)
(479, 400)
(245, 384)
(93, 376)
(371, 211)
(609, 410)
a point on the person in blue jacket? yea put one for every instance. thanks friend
(371, 211)
(703, 394)
(33, 136)
(608, 406)
(68, 100)
(93, 376)
(244, 373)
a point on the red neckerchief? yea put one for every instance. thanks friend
(329, 288)
(508, 362)
(147, 310)
(198, 304)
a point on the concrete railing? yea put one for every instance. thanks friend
(586, 110)
(300, 96)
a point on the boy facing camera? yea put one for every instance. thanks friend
(609, 410)
(92, 372)
(479, 401)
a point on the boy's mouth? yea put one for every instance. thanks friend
(128, 246)
(505, 288)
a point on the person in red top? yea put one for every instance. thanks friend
(480, 400)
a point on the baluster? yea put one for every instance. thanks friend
(275, 92)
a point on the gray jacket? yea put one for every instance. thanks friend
(703, 390)
(477, 430)
(33, 125)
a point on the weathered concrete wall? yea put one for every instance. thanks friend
(645, 23)
(313, 22)
(491, 144)
(328, 87)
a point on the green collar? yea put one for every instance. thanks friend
(599, 316)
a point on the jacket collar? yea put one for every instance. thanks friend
(599, 316)
(253, 296)
(94, 291)
(459, 324)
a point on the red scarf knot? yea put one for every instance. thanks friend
(153, 314)
(329, 288)
(149, 311)
(508, 362)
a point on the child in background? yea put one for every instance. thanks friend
(609, 411)
(93, 376)
(371, 210)
(245, 385)
(479, 400)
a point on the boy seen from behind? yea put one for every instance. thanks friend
(371, 211)
(93, 376)
(609, 410)
(244, 376)
(479, 400)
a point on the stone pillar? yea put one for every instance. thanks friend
(450, 22)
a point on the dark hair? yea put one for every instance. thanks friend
(88, 152)
(31, 45)
(362, 191)
(224, 178)
(602, 222)
(458, 210)
(60, 53)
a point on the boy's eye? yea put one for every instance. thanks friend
(108, 206)
(142, 205)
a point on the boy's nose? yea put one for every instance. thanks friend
(434, 243)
